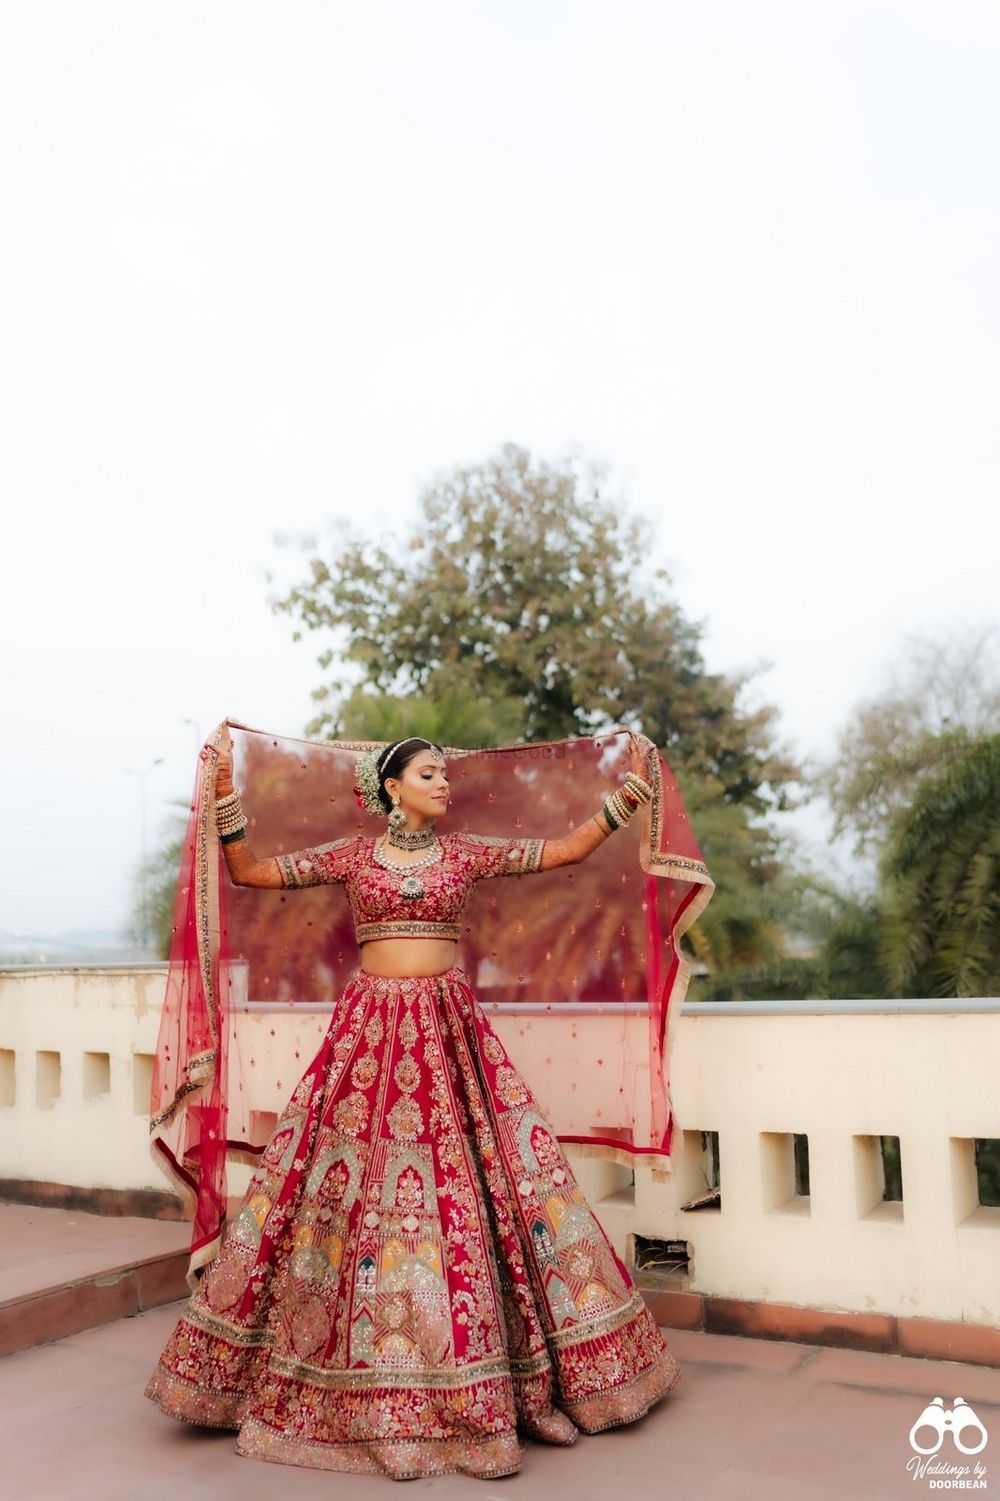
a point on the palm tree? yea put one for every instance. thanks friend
(837, 957)
(941, 876)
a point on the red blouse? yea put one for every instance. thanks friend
(381, 907)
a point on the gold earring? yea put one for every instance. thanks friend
(397, 818)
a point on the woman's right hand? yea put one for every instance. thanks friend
(224, 774)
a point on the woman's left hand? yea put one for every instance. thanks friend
(638, 760)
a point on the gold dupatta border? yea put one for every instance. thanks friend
(653, 858)
(673, 1004)
(200, 1068)
(207, 890)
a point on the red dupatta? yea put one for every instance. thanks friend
(600, 939)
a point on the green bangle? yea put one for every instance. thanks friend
(236, 834)
(612, 820)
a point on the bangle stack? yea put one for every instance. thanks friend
(625, 801)
(230, 819)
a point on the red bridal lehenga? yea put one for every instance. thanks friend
(414, 1282)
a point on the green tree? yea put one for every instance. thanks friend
(940, 870)
(894, 738)
(742, 927)
(828, 947)
(155, 886)
(521, 583)
(449, 711)
(523, 605)
(912, 780)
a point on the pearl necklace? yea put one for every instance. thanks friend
(409, 885)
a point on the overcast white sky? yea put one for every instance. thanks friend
(265, 265)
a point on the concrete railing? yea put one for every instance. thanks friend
(755, 1086)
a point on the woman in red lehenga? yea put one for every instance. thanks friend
(414, 1279)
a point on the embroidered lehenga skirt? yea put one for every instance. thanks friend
(414, 1282)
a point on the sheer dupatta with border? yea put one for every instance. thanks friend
(580, 968)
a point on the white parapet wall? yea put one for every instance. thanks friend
(76, 1050)
(76, 1058)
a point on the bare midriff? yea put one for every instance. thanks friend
(408, 956)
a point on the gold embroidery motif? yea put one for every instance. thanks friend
(307, 868)
(523, 856)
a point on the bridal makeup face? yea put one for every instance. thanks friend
(423, 786)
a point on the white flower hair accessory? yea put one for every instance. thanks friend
(366, 783)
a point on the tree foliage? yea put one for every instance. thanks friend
(523, 604)
(914, 778)
(897, 736)
(829, 948)
(522, 589)
(155, 886)
(940, 871)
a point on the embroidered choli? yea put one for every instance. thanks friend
(381, 909)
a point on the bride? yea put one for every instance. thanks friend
(414, 1281)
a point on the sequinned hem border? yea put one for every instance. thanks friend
(486, 1458)
(423, 1457)
(628, 1403)
(399, 1458)
(168, 1393)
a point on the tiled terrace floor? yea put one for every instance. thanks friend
(42, 1247)
(749, 1420)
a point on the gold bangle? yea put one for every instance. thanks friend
(229, 814)
(638, 786)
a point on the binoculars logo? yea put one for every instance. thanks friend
(936, 1421)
